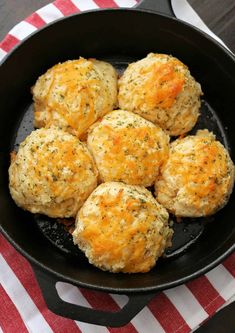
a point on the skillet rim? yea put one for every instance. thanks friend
(133, 9)
(228, 248)
(122, 290)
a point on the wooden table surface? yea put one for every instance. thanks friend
(218, 15)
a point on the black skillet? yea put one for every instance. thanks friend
(118, 36)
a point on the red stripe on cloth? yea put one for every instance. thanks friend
(229, 264)
(104, 301)
(9, 42)
(24, 273)
(35, 20)
(10, 318)
(66, 7)
(206, 294)
(167, 315)
(106, 3)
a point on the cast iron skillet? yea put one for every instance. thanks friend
(118, 36)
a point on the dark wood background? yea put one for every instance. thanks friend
(219, 15)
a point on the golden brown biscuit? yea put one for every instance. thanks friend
(198, 177)
(122, 228)
(128, 148)
(53, 173)
(161, 89)
(74, 94)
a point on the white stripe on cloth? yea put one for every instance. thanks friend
(71, 294)
(188, 14)
(126, 3)
(1, 331)
(222, 281)
(49, 13)
(30, 314)
(85, 4)
(2, 54)
(187, 305)
(144, 321)
(22, 30)
(230, 300)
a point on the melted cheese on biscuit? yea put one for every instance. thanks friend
(161, 89)
(53, 173)
(122, 228)
(128, 148)
(74, 94)
(197, 178)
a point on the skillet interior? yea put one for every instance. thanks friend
(118, 36)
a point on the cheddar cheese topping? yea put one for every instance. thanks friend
(198, 177)
(74, 94)
(128, 148)
(122, 228)
(161, 89)
(53, 173)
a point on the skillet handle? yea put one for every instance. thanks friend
(76, 312)
(161, 6)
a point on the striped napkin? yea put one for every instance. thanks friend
(22, 307)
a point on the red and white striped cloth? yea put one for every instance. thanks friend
(22, 307)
